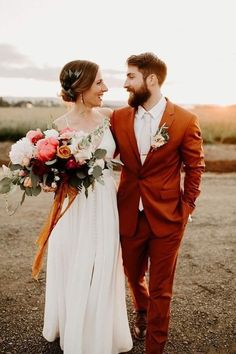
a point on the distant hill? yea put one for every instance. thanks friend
(49, 101)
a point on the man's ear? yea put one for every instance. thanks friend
(152, 79)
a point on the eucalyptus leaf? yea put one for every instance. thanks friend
(36, 191)
(28, 191)
(81, 174)
(100, 153)
(97, 171)
(14, 167)
(86, 182)
(22, 187)
(35, 179)
(23, 198)
(45, 176)
(74, 181)
(5, 185)
(100, 180)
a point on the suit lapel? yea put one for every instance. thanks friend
(167, 119)
(132, 136)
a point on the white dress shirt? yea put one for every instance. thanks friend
(156, 114)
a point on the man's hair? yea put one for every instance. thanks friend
(149, 63)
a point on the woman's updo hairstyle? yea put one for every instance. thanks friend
(76, 77)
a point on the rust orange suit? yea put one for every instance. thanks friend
(156, 233)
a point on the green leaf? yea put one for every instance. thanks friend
(81, 174)
(45, 176)
(100, 153)
(36, 190)
(5, 185)
(16, 180)
(100, 180)
(35, 179)
(14, 167)
(74, 181)
(22, 199)
(28, 191)
(97, 171)
(86, 182)
(22, 187)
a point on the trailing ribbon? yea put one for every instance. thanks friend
(55, 214)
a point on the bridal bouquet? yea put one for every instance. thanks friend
(66, 160)
(54, 157)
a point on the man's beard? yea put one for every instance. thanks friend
(139, 97)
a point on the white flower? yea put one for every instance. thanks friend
(51, 133)
(100, 162)
(160, 138)
(84, 154)
(90, 171)
(53, 185)
(158, 141)
(20, 150)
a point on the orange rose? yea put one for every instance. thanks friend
(63, 152)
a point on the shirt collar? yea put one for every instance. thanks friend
(154, 111)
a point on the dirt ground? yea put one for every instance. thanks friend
(203, 316)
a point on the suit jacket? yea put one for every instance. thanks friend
(167, 199)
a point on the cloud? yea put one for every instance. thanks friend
(45, 73)
(14, 64)
(10, 56)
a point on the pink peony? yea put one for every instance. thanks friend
(34, 135)
(46, 149)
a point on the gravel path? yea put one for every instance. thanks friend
(203, 309)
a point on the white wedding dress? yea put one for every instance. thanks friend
(85, 286)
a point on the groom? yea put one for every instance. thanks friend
(153, 204)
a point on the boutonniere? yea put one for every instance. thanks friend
(160, 138)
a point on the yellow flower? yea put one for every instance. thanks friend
(63, 152)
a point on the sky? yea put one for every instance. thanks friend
(196, 39)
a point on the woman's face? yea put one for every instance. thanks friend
(93, 96)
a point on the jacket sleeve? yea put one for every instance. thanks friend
(193, 161)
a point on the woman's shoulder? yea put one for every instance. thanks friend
(60, 122)
(106, 111)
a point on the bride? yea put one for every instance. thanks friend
(85, 286)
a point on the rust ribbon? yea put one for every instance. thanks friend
(55, 214)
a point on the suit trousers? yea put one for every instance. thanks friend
(145, 251)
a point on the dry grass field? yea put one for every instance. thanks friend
(218, 123)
